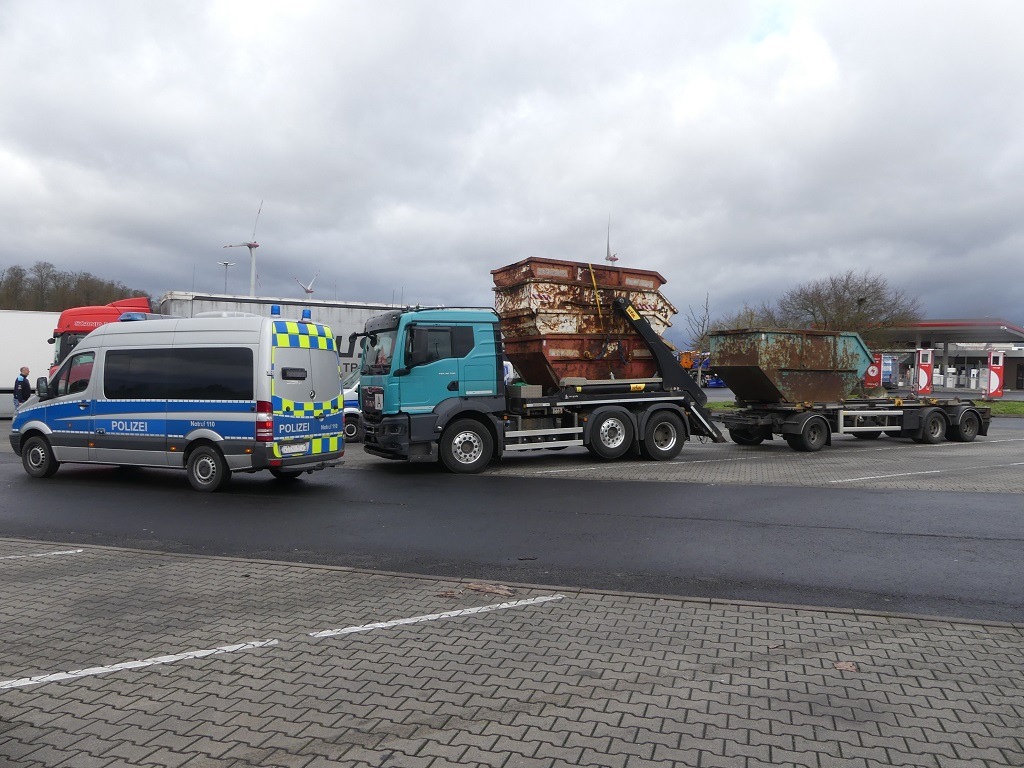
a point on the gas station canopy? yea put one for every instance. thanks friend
(935, 333)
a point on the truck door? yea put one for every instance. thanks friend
(433, 370)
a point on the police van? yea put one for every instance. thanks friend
(210, 395)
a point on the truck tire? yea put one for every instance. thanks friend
(207, 471)
(966, 430)
(37, 457)
(933, 428)
(663, 437)
(353, 429)
(611, 435)
(745, 437)
(811, 438)
(466, 447)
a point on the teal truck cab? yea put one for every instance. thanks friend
(432, 387)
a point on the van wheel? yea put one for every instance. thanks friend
(466, 447)
(37, 457)
(353, 430)
(285, 474)
(207, 470)
(663, 438)
(611, 435)
(966, 430)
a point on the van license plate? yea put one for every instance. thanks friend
(293, 449)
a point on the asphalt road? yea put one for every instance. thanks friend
(932, 551)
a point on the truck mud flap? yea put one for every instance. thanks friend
(701, 419)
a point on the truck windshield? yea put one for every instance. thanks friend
(378, 351)
(64, 344)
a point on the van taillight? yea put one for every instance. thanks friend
(264, 422)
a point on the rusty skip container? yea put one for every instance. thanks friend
(789, 366)
(557, 319)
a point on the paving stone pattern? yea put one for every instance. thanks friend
(622, 681)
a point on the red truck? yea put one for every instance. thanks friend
(74, 324)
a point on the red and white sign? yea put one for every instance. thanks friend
(925, 365)
(995, 374)
(873, 375)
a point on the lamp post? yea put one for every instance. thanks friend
(226, 264)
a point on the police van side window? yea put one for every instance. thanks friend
(74, 377)
(203, 373)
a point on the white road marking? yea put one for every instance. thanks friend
(43, 554)
(435, 616)
(928, 472)
(92, 671)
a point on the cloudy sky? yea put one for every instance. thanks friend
(404, 149)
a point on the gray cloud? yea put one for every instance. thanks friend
(406, 149)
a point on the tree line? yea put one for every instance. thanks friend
(43, 287)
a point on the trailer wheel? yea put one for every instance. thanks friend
(966, 430)
(353, 429)
(37, 457)
(745, 437)
(933, 428)
(611, 435)
(466, 447)
(811, 438)
(663, 438)
(206, 469)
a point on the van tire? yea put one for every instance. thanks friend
(286, 474)
(37, 457)
(207, 470)
(353, 429)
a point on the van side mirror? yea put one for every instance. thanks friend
(42, 391)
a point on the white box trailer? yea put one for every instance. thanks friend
(24, 337)
(344, 317)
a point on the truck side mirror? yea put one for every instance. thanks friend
(42, 392)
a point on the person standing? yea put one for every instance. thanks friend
(22, 389)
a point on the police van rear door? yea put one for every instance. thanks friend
(306, 396)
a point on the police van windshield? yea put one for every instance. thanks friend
(378, 350)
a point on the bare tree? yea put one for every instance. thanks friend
(44, 287)
(854, 301)
(699, 325)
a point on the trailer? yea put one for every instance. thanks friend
(796, 384)
(25, 335)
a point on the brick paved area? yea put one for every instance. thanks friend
(587, 679)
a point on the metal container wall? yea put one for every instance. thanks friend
(558, 322)
(789, 366)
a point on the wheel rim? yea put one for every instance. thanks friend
(37, 457)
(665, 436)
(969, 426)
(612, 433)
(205, 470)
(815, 434)
(350, 429)
(467, 447)
(934, 426)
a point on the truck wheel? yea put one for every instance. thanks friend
(745, 437)
(663, 438)
(933, 429)
(206, 469)
(37, 457)
(966, 430)
(466, 447)
(611, 435)
(812, 437)
(353, 430)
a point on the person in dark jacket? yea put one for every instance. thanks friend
(22, 389)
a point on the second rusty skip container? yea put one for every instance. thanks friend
(557, 319)
(789, 366)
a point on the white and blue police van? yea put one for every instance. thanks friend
(211, 395)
